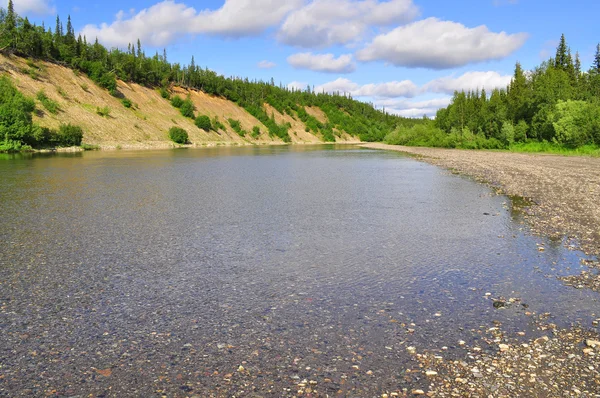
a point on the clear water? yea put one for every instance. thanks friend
(173, 268)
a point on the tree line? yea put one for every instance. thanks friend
(104, 66)
(557, 102)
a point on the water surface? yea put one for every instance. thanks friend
(151, 273)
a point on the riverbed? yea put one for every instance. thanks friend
(260, 271)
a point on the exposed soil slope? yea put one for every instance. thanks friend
(145, 125)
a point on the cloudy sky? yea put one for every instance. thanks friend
(405, 55)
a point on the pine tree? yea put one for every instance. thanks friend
(9, 36)
(561, 59)
(596, 65)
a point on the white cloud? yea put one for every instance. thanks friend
(36, 7)
(432, 43)
(266, 64)
(323, 62)
(298, 86)
(323, 23)
(468, 81)
(405, 88)
(414, 108)
(339, 85)
(163, 22)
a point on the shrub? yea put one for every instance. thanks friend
(69, 135)
(85, 87)
(178, 135)
(62, 92)
(50, 105)
(237, 127)
(217, 125)
(203, 122)
(104, 111)
(165, 93)
(127, 102)
(187, 108)
(176, 101)
(255, 132)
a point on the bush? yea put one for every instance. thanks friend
(176, 101)
(104, 111)
(187, 109)
(237, 127)
(165, 93)
(50, 105)
(127, 102)
(217, 125)
(255, 132)
(69, 135)
(203, 122)
(178, 135)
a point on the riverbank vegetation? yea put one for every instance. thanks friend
(553, 108)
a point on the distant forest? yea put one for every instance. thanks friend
(556, 103)
(104, 66)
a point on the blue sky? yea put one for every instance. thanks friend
(406, 55)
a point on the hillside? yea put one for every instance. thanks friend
(145, 125)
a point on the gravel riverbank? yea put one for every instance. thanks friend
(565, 196)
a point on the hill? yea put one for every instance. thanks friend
(146, 123)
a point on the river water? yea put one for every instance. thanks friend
(162, 272)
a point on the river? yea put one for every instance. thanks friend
(235, 271)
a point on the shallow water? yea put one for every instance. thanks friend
(151, 273)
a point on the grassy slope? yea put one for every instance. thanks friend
(145, 126)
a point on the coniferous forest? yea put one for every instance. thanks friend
(557, 103)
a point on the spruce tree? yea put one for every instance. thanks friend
(596, 65)
(10, 27)
(561, 59)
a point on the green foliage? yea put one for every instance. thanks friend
(575, 123)
(127, 102)
(430, 136)
(217, 125)
(89, 147)
(178, 135)
(255, 132)
(177, 101)
(69, 135)
(237, 127)
(84, 87)
(104, 111)
(187, 108)
(50, 105)
(203, 122)
(62, 92)
(165, 93)
(556, 102)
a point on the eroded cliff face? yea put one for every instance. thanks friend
(146, 123)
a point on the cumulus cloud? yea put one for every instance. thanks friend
(298, 86)
(266, 64)
(414, 108)
(432, 43)
(405, 88)
(468, 81)
(339, 85)
(36, 7)
(163, 22)
(323, 23)
(327, 63)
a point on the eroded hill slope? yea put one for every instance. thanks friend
(146, 123)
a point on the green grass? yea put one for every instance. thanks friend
(90, 147)
(50, 105)
(549, 147)
(104, 111)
